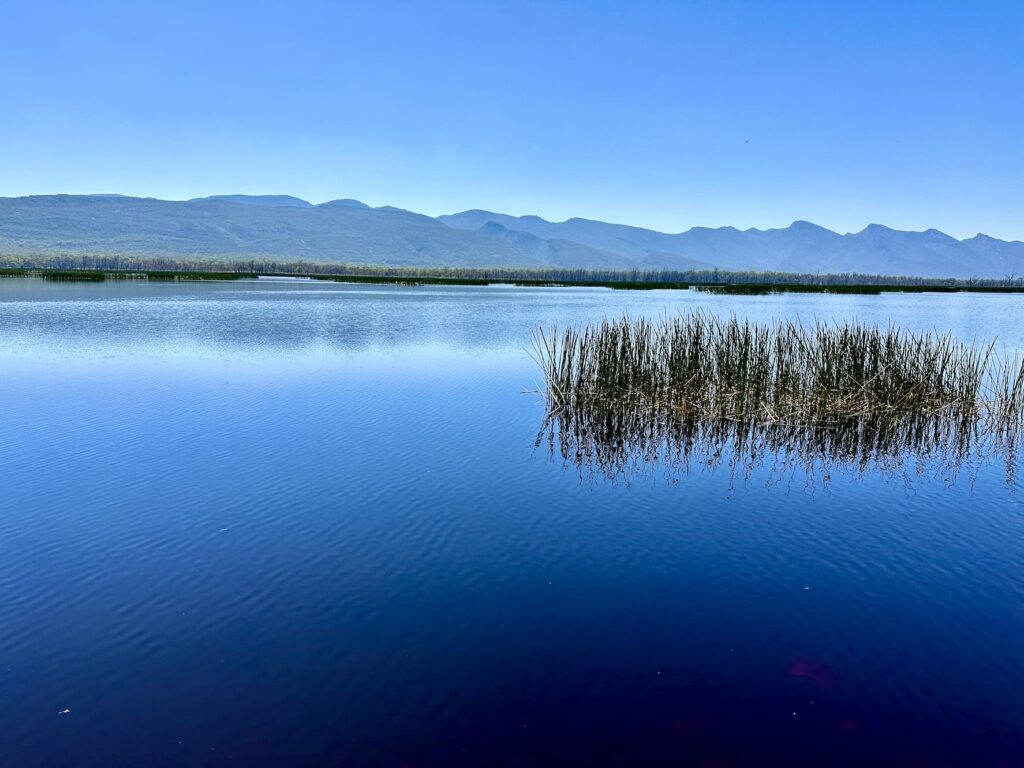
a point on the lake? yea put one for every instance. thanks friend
(261, 523)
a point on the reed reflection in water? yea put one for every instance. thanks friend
(631, 396)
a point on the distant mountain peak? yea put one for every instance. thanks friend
(936, 234)
(346, 202)
(807, 226)
(874, 229)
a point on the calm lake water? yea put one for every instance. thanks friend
(283, 524)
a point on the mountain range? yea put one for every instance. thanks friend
(282, 227)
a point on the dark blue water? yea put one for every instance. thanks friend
(252, 524)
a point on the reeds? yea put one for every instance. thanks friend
(766, 289)
(629, 391)
(98, 268)
(77, 275)
(94, 275)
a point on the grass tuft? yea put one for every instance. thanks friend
(629, 390)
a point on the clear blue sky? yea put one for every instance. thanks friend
(661, 114)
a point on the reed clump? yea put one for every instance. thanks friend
(767, 289)
(94, 275)
(636, 389)
(872, 289)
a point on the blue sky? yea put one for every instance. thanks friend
(660, 114)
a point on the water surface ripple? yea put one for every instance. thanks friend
(250, 524)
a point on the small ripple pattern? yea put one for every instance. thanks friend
(269, 525)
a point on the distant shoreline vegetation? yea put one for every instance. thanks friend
(98, 268)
